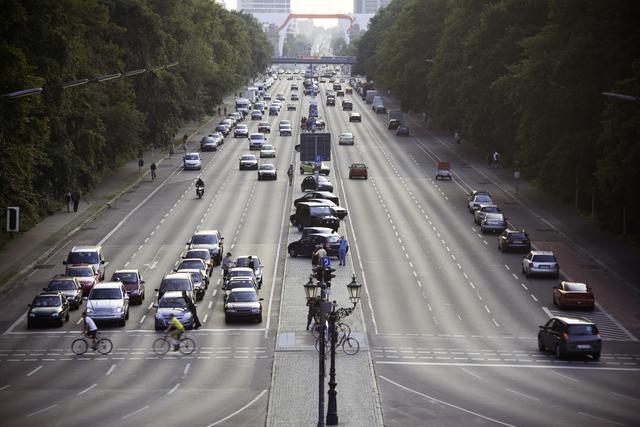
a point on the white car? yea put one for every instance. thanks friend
(257, 140)
(346, 138)
(267, 150)
(267, 171)
(248, 161)
(192, 161)
(241, 131)
(478, 200)
(108, 301)
(285, 129)
(208, 143)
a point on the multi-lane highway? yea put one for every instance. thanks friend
(451, 321)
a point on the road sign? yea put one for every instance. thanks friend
(314, 144)
(13, 219)
(326, 262)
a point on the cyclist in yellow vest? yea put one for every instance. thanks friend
(175, 331)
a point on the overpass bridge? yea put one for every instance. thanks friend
(313, 60)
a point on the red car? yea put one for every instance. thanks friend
(573, 295)
(85, 274)
(358, 170)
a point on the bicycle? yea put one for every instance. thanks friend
(348, 344)
(342, 328)
(162, 345)
(80, 345)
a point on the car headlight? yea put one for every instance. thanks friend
(58, 314)
(159, 316)
(89, 310)
(229, 308)
(187, 315)
(118, 310)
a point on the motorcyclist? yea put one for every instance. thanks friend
(199, 183)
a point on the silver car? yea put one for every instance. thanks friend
(479, 214)
(172, 303)
(243, 261)
(541, 262)
(108, 301)
(478, 200)
(493, 223)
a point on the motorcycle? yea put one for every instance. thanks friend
(200, 192)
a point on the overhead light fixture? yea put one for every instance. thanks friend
(21, 93)
(134, 72)
(108, 77)
(74, 83)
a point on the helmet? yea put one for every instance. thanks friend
(171, 315)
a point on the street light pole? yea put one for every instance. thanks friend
(332, 408)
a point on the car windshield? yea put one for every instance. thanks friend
(175, 285)
(125, 277)
(243, 297)
(196, 277)
(358, 166)
(105, 293)
(267, 147)
(83, 258)
(320, 210)
(493, 217)
(575, 287)
(80, 272)
(482, 199)
(240, 284)
(46, 301)
(583, 330)
(200, 253)
(490, 209)
(248, 157)
(192, 157)
(544, 258)
(238, 273)
(204, 239)
(332, 239)
(197, 264)
(267, 167)
(244, 261)
(172, 302)
(517, 236)
(241, 127)
(61, 285)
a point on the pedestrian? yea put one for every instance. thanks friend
(192, 309)
(219, 110)
(67, 198)
(153, 170)
(456, 136)
(312, 306)
(290, 174)
(496, 159)
(342, 250)
(75, 197)
(315, 257)
(225, 111)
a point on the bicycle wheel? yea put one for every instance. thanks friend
(187, 345)
(350, 346)
(327, 346)
(344, 331)
(161, 346)
(79, 346)
(104, 346)
(315, 329)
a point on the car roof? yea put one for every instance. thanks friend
(247, 256)
(313, 203)
(234, 290)
(50, 294)
(574, 320)
(86, 248)
(177, 276)
(127, 271)
(107, 285)
(172, 294)
(541, 253)
(199, 232)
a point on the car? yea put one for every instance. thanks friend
(241, 131)
(240, 272)
(294, 97)
(85, 274)
(67, 286)
(316, 230)
(320, 183)
(308, 244)
(317, 195)
(256, 114)
(248, 161)
(266, 96)
(208, 143)
(243, 304)
(313, 214)
(340, 93)
(338, 211)
(267, 171)
(286, 130)
(133, 284)
(194, 264)
(239, 283)
(256, 140)
(347, 105)
(568, 335)
(379, 108)
(176, 282)
(237, 115)
(540, 263)
(198, 280)
(394, 124)
(243, 261)
(346, 138)
(108, 301)
(402, 131)
(479, 213)
(573, 295)
(48, 308)
(355, 117)
(191, 161)
(493, 223)
(87, 254)
(260, 106)
(223, 128)
(273, 110)
(229, 122)
(474, 193)
(308, 167)
(358, 170)
(267, 150)
(208, 239)
(480, 199)
(331, 101)
(203, 254)
(291, 107)
(264, 127)
(233, 120)
(516, 240)
(172, 302)
(294, 86)
(280, 97)
(218, 137)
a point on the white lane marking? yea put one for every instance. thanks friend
(507, 267)
(42, 410)
(451, 405)
(522, 394)
(600, 418)
(534, 297)
(186, 369)
(142, 319)
(515, 276)
(34, 371)
(471, 373)
(486, 308)
(206, 316)
(239, 410)
(79, 321)
(14, 324)
(566, 377)
(87, 389)
(215, 291)
(498, 365)
(110, 370)
(615, 394)
(524, 286)
(495, 322)
(5, 387)
(175, 387)
(131, 414)
(210, 303)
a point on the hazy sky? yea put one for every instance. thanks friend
(314, 6)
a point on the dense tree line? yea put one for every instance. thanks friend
(66, 139)
(525, 77)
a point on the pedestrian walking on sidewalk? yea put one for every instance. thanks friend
(67, 198)
(496, 159)
(312, 306)
(192, 309)
(342, 250)
(153, 170)
(456, 137)
(76, 200)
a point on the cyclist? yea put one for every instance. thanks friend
(90, 329)
(175, 331)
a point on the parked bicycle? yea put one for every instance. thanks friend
(342, 329)
(162, 345)
(349, 345)
(81, 345)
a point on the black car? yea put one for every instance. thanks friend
(394, 124)
(516, 240)
(48, 308)
(322, 184)
(317, 195)
(316, 230)
(306, 245)
(402, 131)
(67, 286)
(310, 214)
(566, 336)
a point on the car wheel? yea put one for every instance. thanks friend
(350, 176)
(596, 356)
(301, 171)
(300, 227)
(259, 318)
(293, 253)
(541, 344)
(559, 352)
(123, 322)
(30, 324)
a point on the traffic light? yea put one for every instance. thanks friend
(318, 273)
(13, 219)
(328, 274)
